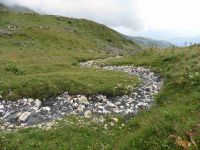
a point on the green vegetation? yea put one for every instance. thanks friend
(40, 55)
(178, 104)
(176, 113)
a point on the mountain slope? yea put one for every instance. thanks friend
(147, 42)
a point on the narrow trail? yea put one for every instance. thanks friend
(29, 112)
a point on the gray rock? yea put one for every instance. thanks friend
(65, 94)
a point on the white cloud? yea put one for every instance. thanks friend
(180, 16)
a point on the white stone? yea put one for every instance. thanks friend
(18, 115)
(24, 101)
(118, 103)
(11, 126)
(30, 100)
(112, 124)
(130, 100)
(24, 117)
(46, 109)
(59, 98)
(75, 105)
(105, 126)
(83, 100)
(110, 104)
(2, 127)
(121, 107)
(129, 111)
(140, 104)
(88, 114)
(38, 103)
(1, 107)
(100, 107)
(115, 119)
(81, 108)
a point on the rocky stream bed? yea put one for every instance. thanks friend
(28, 112)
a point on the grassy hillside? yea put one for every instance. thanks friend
(171, 124)
(40, 55)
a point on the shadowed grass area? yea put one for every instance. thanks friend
(40, 55)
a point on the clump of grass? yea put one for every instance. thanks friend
(14, 69)
(195, 78)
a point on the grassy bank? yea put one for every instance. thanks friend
(171, 124)
(178, 105)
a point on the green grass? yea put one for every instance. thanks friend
(177, 112)
(41, 57)
(178, 104)
(72, 136)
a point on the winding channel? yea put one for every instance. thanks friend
(32, 112)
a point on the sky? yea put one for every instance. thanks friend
(160, 19)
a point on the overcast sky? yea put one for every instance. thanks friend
(161, 19)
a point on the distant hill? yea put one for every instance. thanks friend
(147, 42)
